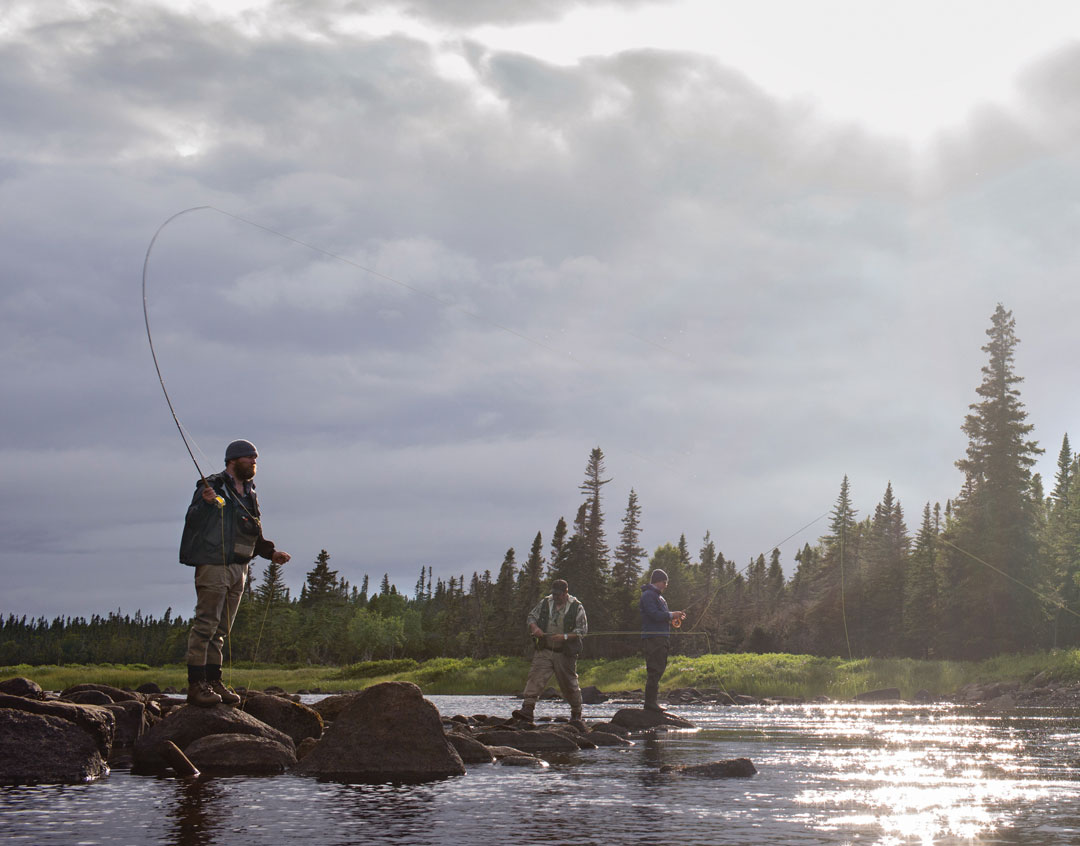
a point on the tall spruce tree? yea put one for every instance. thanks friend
(992, 551)
(922, 592)
(626, 570)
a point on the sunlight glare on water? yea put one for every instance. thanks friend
(850, 774)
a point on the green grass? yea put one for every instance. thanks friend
(802, 676)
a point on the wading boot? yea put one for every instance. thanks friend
(525, 714)
(199, 693)
(226, 695)
(652, 706)
(578, 723)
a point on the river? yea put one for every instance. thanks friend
(837, 773)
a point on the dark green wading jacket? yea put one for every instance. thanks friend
(215, 535)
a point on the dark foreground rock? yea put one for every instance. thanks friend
(638, 719)
(239, 754)
(98, 722)
(603, 738)
(296, 720)
(183, 726)
(733, 768)
(389, 732)
(331, 706)
(37, 749)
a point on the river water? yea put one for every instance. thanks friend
(838, 773)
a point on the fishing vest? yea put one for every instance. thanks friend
(569, 618)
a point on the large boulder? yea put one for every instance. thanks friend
(96, 721)
(38, 748)
(19, 686)
(295, 719)
(239, 754)
(389, 732)
(183, 726)
(640, 719)
(591, 695)
(529, 741)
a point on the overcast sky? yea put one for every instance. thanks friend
(744, 248)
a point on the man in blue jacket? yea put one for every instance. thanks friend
(222, 533)
(656, 634)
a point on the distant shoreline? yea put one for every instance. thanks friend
(762, 676)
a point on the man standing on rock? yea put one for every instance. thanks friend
(656, 634)
(222, 533)
(557, 624)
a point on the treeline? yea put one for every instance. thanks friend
(994, 570)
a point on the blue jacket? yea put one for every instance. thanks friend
(655, 617)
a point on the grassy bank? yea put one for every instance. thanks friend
(757, 675)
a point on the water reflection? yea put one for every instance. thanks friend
(827, 774)
(197, 807)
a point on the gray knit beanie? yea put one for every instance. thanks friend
(240, 449)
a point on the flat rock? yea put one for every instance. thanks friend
(732, 768)
(295, 719)
(388, 733)
(116, 694)
(239, 754)
(529, 741)
(603, 738)
(43, 749)
(638, 719)
(183, 726)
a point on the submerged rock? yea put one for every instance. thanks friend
(885, 694)
(38, 748)
(732, 768)
(389, 732)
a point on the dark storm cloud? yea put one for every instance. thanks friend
(737, 299)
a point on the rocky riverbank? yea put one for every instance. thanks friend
(387, 732)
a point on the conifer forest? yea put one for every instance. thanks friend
(993, 569)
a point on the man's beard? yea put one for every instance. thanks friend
(245, 473)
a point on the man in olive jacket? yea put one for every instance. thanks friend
(222, 533)
(558, 624)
